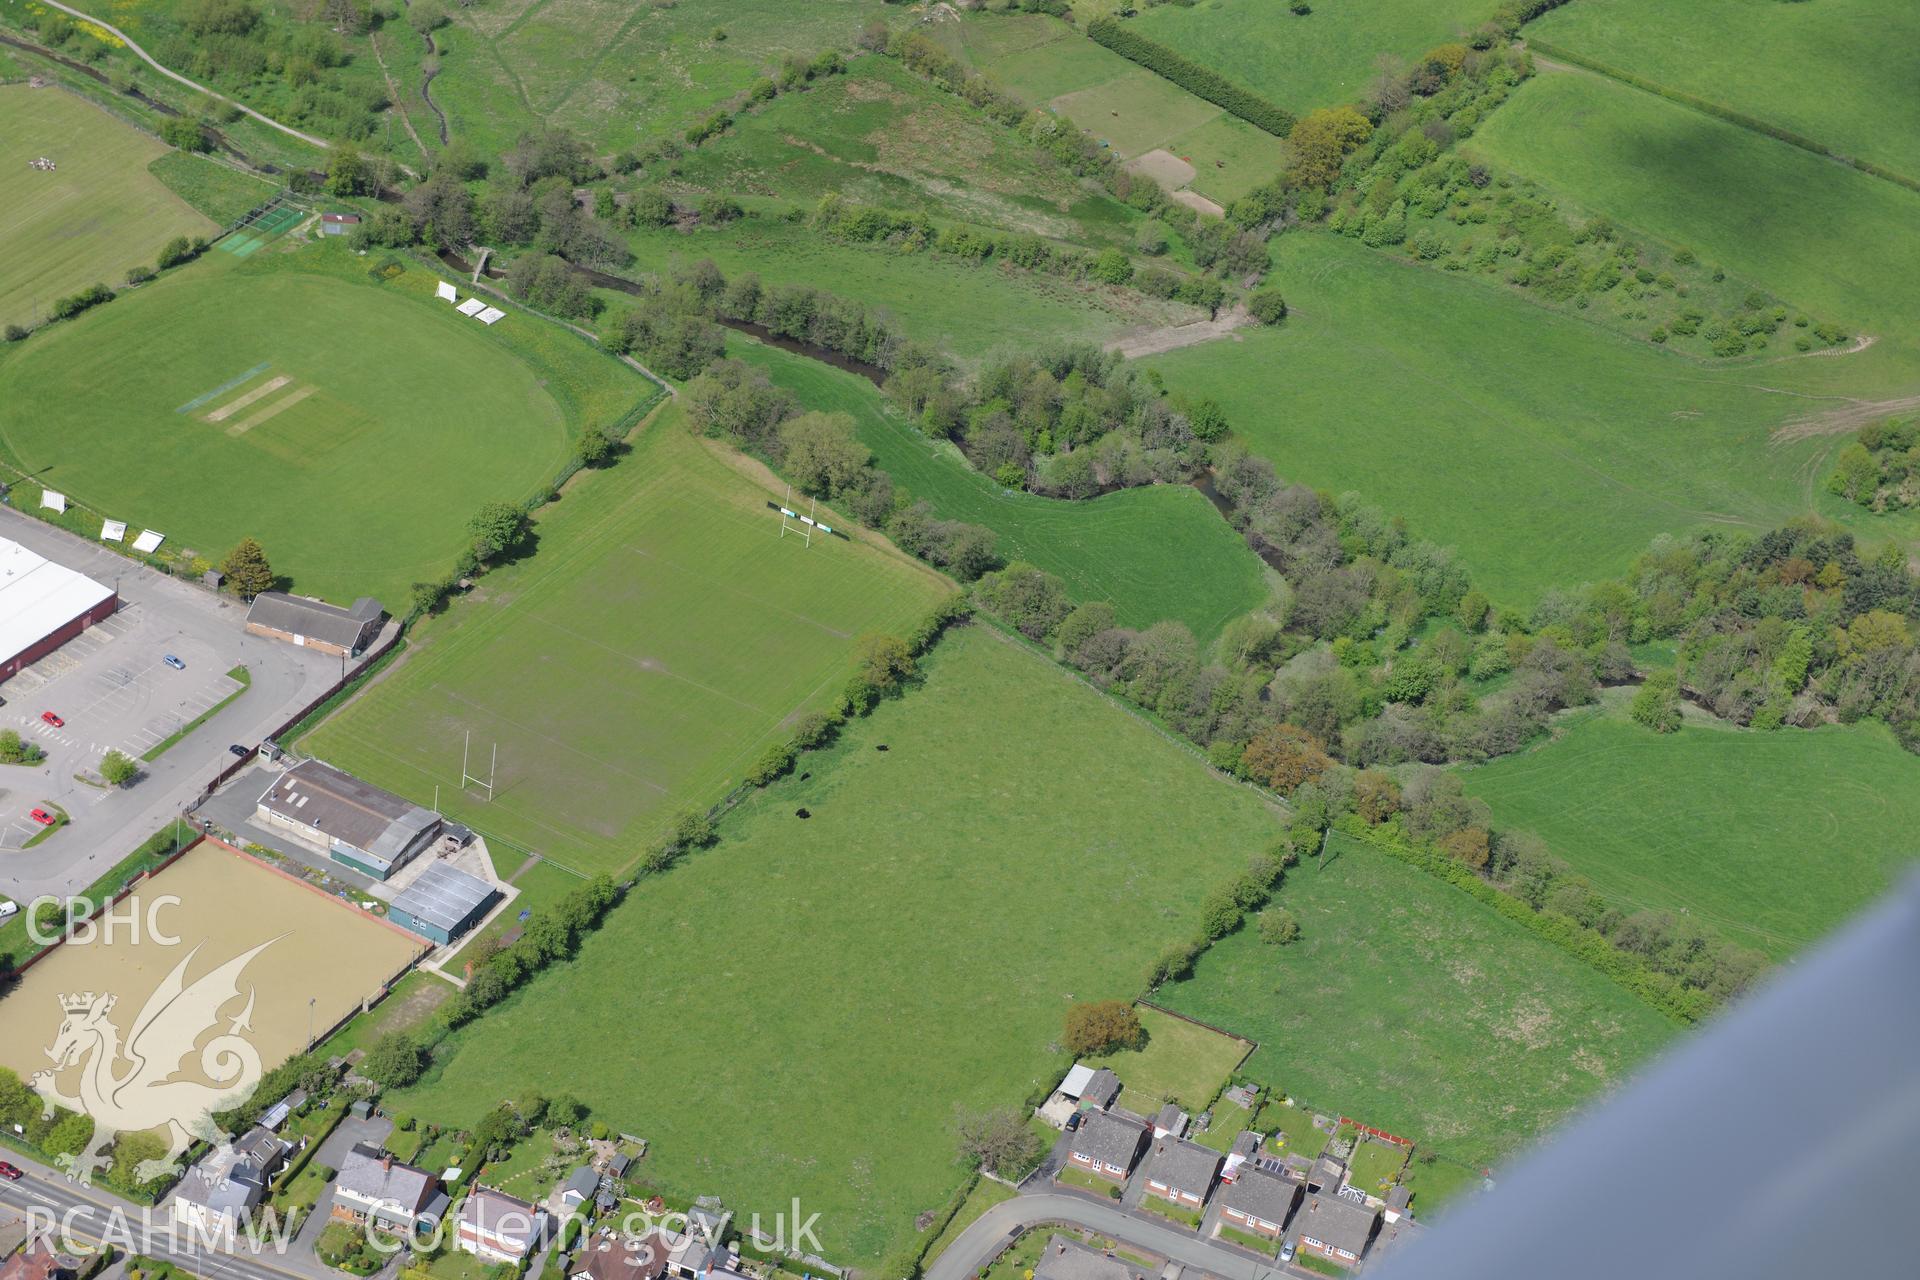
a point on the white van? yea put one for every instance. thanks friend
(8, 909)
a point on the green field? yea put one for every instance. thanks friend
(1820, 234)
(1318, 59)
(970, 312)
(620, 74)
(1410, 1007)
(880, 135)
(1050, 65)
(634, 666)
(800, 1011)
(1547, 450)
(1841, 72)
(223, 193)
(1771, 839)
(1155, 553)
(348, 414)
(96, 214)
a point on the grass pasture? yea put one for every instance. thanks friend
(663, 635)
(1819, 234)
(1841, 72)
(881, 135)
(1303, 61)
(1181, 1062)
(1408, 1005)
(350, 414)
(1154, 553)
(98, 213)
(222, 193)
(972, 312)
(908, 956)
(621, 74)
(1771, 839)
(1049, 64)
(224, 904)
(1548, 451)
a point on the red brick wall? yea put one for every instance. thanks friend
(59, 636)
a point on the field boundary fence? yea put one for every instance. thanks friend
(1708, 106)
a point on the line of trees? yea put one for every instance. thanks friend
(1201, 81)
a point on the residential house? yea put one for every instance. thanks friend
(1336, 1228)
(1246, 1147)
(1259, 1202)
(1100, 1090)
(280, 1111)
(1182, 1172)
(1170, 1123)
(39, 1261)
(609, 1257)
(1108, 1145)
(372, 1184)
(1065, 1259)
(498, 1227)
(219, 1195)
(580, 1188)
(1398, 1232)
(1327, 1174)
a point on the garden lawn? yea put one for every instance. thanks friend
(97, 213)
(1771, 839)
(662, 636)
(1546, 450)
(969, 312)
(1413, 1008)
(1180, 1063)
(1295, 1125)
(1375, 1166)
(621, 74)
(1841, 72)
(1303, 61)
(1154, 553)
(352, 427)
(898, 957)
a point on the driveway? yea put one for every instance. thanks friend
(113, 690)
(963, 1258)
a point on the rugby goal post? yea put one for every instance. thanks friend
(801, 526)
(493, 765)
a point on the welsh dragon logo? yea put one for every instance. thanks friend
(128, 1087)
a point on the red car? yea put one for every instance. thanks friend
(53, 719)
(9, 1172)
(41, 816)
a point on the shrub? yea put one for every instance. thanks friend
(1102, 1026)
(1278, 928)
(1267, 306)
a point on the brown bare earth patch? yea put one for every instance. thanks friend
(1200, 204)
(1164, 167)
(1171, 337)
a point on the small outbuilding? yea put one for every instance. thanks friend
(338, 224)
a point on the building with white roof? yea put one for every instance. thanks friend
(43, 605)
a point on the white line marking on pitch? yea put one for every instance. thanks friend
(234, 406)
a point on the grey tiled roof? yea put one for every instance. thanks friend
(1063, 1259)
(366, 1173)
(1261, 1194)
(1340, 1223)
(1108, 1137)
(317, 619)
(1184, 1166)
(1102, 1089)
